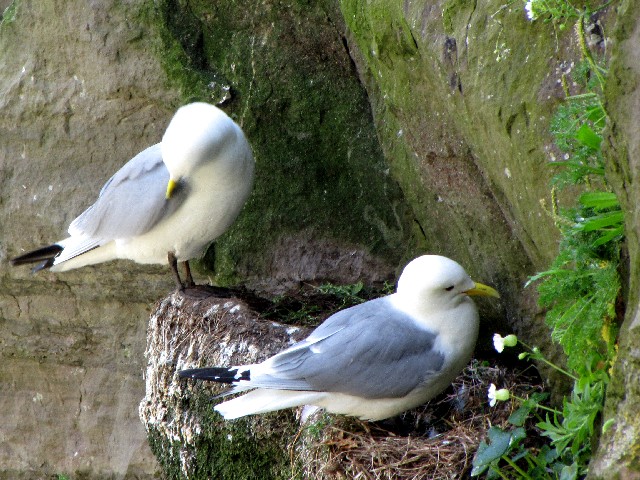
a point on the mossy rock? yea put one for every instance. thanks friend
(255, 448)
(283, 73)
(191, 440)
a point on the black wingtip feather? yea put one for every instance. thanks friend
(45, 256)
(215, 374)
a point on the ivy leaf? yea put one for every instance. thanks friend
(487, 453)
(518, 417)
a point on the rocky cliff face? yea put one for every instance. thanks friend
(79, 96)
(380, 129)
(85, 86)
(190, 441)
(617, 454)
(461, 128)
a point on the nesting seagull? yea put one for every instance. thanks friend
(167, 203)
(374, 360)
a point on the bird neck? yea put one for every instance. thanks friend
(448, 318)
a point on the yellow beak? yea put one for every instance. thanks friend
(483, 290)
(171, 186)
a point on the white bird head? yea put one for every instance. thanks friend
(438, 281)
(197, 133)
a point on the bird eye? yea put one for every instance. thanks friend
(448, 289)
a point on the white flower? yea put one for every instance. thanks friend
(500, 342)
(495, 395)
(492, 395)
(528, 8)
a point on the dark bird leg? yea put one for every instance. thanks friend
(173, 263)
(188, 281)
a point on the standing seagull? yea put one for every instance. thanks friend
(374, 360)
(167, 203)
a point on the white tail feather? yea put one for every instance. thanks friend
(262, 401)
(67, 261)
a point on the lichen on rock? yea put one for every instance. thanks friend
(188, 437)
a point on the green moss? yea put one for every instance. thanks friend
(248, 448)
(619, 170)
(460, 105)
(175, 45)
(619, 452)
(289, 82)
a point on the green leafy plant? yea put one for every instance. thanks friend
(505, 453)
(580, 288)
(560, 12)
(349, 294)
(580, 291)
(576, 128)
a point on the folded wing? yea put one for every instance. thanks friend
(370, 350)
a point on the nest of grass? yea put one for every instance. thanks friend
(437, 441)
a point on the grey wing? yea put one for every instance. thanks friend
(131, 202)
(371, 350)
